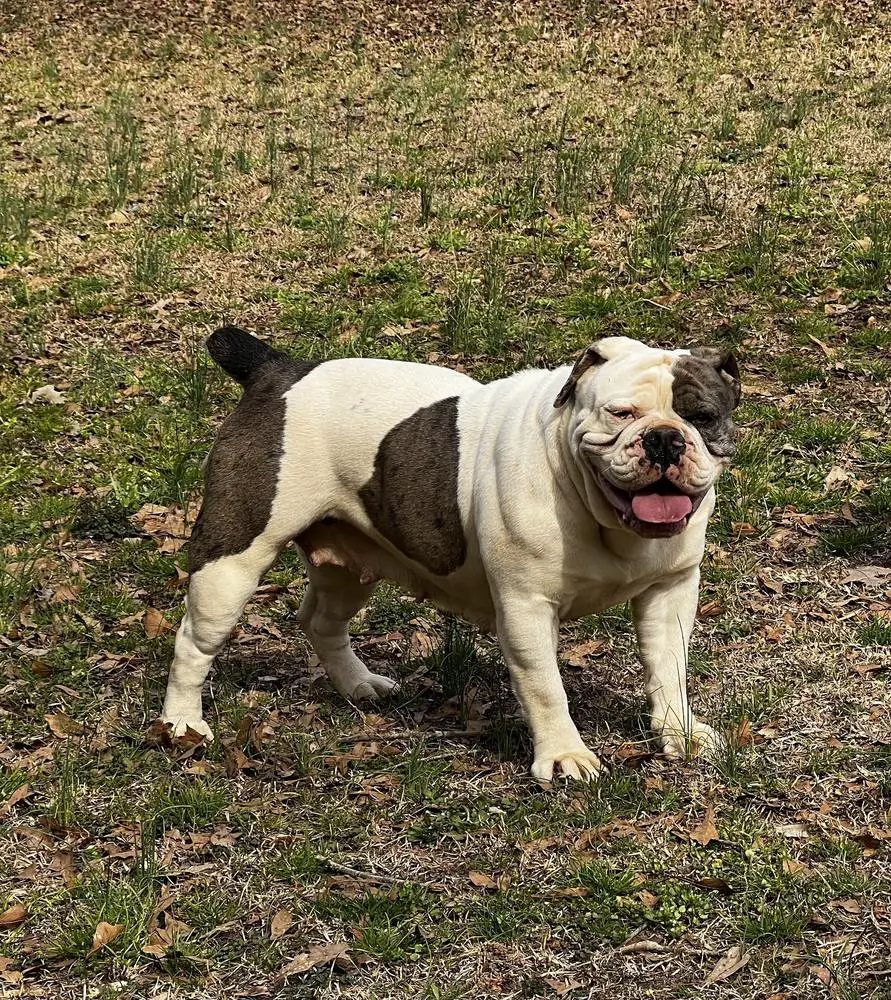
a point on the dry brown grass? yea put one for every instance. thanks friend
(282, 159)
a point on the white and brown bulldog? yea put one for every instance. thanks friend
(519, 504)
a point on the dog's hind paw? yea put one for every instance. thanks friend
(374, 686)
(180, 723)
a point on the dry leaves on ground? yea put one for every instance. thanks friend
(317, 955)
(706, 832)
(280, 924)
(15, 915)
(104, 934)
(729, 965)
(63, 725)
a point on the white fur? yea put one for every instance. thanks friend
(543, 544)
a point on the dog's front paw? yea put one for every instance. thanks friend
(700, 741)
(374, 686)
(577, 762)
(180, 723)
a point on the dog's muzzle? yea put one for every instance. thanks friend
(663, 447)
(658, 510)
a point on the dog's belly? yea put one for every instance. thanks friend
(334, 542)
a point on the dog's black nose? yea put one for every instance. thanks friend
(664, 446)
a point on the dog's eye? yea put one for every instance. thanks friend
(622, 414)
(701, 417)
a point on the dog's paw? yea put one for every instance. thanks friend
(180, 723)
(374, 686)
(701, 741)
(579, 763)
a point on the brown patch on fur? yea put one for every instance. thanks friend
(705, 392)
(412, 497)
(588, 359)
(242, 468)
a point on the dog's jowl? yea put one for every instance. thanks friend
(519, 504)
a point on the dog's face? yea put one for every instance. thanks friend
(655, 428)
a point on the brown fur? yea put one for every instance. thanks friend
(705, 392)
(412, 497)
(242, 469)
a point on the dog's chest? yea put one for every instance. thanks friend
(593, 579)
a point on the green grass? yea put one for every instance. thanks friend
(489, 196)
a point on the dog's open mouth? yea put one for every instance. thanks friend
(656, 511)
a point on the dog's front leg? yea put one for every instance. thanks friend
(663, 618)
(527, 632)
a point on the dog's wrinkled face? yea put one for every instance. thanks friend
(654, 427)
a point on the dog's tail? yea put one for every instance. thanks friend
(240, 354)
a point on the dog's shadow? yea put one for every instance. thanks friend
(421, 704)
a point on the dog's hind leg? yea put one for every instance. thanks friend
(333, 596)
(218, 592)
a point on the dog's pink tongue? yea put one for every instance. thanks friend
(661, 508)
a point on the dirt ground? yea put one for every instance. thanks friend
(487, 187)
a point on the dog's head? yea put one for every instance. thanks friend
(654, 428)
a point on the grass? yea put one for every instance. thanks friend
(484, 193)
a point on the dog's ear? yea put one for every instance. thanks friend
(590, 357)
(725, 365)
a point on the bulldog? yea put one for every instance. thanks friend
(518, 504)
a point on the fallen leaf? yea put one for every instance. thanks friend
(578, 655)
(631, 755)
(769, 583)
(539, 844)
(828, 351)
(67, 592)
(870, 576)
(836, 477)
(63, 863)
(706, 832)
(7, 973)
(46, 394)
(729, 965)
(868, 842)
(482, 881)
(63, 725)
(711, 609)
(561, 986)
(155, 623)
(743, 736)
(822, 973)
(649, 899)
(318, 955)
(280, 924)
(794, 831)
(105, 934)
(793, 867)
(848, 905)
(571, 892)
(421, 645)
(15, 915)
(642, 947)
(22, 792)
(866, 669)
(165, 935)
